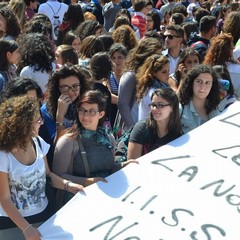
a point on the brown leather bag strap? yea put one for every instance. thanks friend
(84, 156)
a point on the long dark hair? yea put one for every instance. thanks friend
(156, 19)
(174, 125)
(6, 46)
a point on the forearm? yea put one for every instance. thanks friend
(75, 179)
(114, 98)
(14, 214)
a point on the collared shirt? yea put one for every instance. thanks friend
(172, 61)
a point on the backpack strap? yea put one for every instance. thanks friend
(55, 13)
(196, 43)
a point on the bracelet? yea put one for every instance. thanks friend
(29, 225)
(60, 124)
(66, 185)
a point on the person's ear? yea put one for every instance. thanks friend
(101, 114)
(8, 54)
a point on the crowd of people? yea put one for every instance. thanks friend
(77, 77)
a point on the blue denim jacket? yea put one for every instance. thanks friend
(190, 118)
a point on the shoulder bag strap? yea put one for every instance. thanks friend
(84, 156)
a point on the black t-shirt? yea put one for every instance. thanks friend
(145, 136)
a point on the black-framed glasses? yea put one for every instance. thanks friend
(89, 112)
(171, 36)
(66, 88)
(158, 105)
(149, 20)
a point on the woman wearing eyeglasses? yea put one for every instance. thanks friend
(93, 138)
(153, 74)
(23, 170)
(161, 127)
(64, 89)
(199, 96)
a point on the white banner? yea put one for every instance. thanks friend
(186, 190)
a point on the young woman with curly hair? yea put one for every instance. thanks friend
(23, 170)
(162, 126)
(126, 36)
(9, 26)
(127, 103)
(189, 58)
(153, 74)
(199, 96)
(88, 28)
(65, 86)
(39, 23)
(37, 58)
(220, 52)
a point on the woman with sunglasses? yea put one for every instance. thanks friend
(161, 127)
(199, 96)
(153, 74)
(64, 89)
(91, 137)
(23, 170)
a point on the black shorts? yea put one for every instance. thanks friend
(6, 222)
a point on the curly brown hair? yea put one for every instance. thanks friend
(17, 116)
(125, 35)
(53, 85)
(231, 25)
(145, 74)
(186, 91)
(220, 51)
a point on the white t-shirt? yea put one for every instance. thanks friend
(143, 108)
(41, 78)
(27, 183)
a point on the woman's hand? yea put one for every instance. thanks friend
(31, 233)
(124, 164)
(75, 188)
(63, 103)
(182, 69)
(90, 181)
